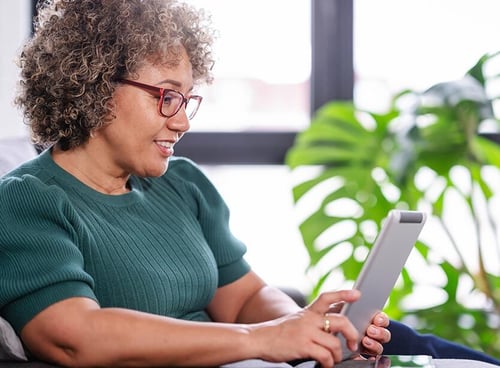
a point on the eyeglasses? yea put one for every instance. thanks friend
(170, 101)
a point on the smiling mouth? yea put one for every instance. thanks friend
(166, 148)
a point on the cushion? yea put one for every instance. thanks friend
(11, 347)
(14, 151)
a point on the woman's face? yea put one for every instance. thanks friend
(139, 140)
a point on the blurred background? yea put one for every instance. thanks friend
(277, 62)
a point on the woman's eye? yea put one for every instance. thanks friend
(167, 100)
(172, 98)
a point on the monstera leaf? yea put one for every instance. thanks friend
(368, 163)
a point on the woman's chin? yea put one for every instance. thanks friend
(157, 171)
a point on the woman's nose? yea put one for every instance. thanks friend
(179, 122)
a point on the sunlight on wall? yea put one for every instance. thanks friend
(263, 217)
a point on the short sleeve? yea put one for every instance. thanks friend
(213, 215)
(40, 262)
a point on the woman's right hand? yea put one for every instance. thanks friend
(309, 333)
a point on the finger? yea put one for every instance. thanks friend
(331, 343)
(381, 319)
(322, 355)
(340, 324)
(322, 304)
(335, 307)
(371, 347)
(380, 334)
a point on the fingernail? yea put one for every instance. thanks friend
(372, 330)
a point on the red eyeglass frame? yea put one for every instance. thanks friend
(161, 91)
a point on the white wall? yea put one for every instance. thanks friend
(263, 216)
(15, 24)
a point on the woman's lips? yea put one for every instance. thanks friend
(166, 148)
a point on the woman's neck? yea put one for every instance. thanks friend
(89, 168)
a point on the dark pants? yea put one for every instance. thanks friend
(405, 341)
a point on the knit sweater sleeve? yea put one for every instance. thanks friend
(213, 216)
(40, 262)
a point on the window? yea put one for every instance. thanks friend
(262, 66)
(417, 43)
(282, 42)
(252, 118)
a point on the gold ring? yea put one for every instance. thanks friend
(326, 325)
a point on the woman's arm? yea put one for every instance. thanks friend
(270, 326)
(250, 300)
(77, 332)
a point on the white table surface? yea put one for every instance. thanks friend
(461, 363)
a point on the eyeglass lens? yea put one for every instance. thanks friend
(172, 103)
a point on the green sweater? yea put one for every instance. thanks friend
(162, 248)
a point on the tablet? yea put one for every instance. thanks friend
(379, 274)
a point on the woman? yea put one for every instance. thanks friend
(110, 259)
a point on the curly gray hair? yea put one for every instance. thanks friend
(81, 48)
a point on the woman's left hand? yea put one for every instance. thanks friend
(376, 335)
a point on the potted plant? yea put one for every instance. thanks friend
(423, 153)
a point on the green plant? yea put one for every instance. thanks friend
(423, 153)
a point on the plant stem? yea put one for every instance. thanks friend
(462, 267)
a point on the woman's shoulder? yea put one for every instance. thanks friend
(183, 169)
(186, 175)
(18, 179)
(28, 183)
(182, 166)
